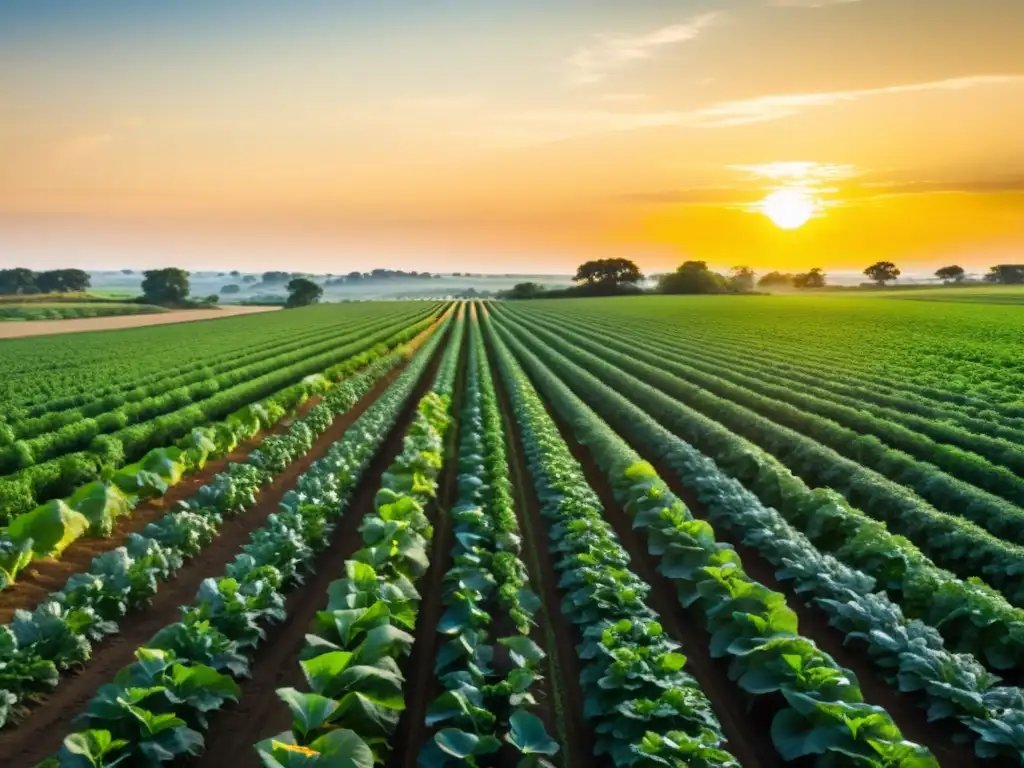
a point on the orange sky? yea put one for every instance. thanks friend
(514, 137)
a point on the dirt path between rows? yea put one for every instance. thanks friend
(422, 686)
(80, 325)
(41, 733)
(562, 712)
(259, 713)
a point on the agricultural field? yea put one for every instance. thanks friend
(38, 310)
(626, 533)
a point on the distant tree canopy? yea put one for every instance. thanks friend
(127, 272)
(303, 292)
(232, 288)
(1006, 274)
(953, 272)
(882, 272)
(276, 277)
(814, 278)
(165, 286)
(250, 279)
(741, 279)
(235, 273)
(608, 273)
(770, 279)
(20, 280)
(524, 291)
(693, 277)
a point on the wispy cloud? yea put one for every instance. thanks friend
(742, 196)
(607, 53)
(557, 124)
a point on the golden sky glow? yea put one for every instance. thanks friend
(512, 136)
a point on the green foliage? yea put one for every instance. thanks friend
(165, 286)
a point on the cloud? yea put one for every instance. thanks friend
(593, 63)
(560, 124)
(741, 196)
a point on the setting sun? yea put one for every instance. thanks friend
(788, 208)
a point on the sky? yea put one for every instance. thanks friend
(332, 135)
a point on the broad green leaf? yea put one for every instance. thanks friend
(527, 734)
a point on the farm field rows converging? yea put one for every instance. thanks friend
(625, 533)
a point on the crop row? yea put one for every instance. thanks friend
(134, 402)
(643, 703)
(58, 477)
(902, 422)
(834, 426)
(909, 654)
(351, 658)
(972, 617)
(93, 509)
(952, 541)
(487, 696)
(60, 371)
(58, 634)
(151, 713)
(836, 367)
(819, 707)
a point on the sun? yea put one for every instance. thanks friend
(789, 208)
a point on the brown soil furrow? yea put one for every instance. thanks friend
(904, 708)
(41, 733)
(747, 731)
(421, 684)
(564, 666)
(259, 714)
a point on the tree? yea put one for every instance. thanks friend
(165, 286)
(250, 279)
(525, 291)
(882, 271)
(742, 279)
(353, 276)
(275, 277)
(303, 292)
(213, 298)
(18, 280)
(815, 278)
(232, 288)
(608, 272)
(235, 273)
(63, 280)
(775, 278)
(1006, 274)
(127, 272)
(693, 277)
(953, 272)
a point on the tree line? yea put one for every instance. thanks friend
(20, 280)
(607, 277)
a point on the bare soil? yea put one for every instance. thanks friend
(49, 327)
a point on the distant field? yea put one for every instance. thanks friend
(70, 310)
(48, 326)
(993, 295)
